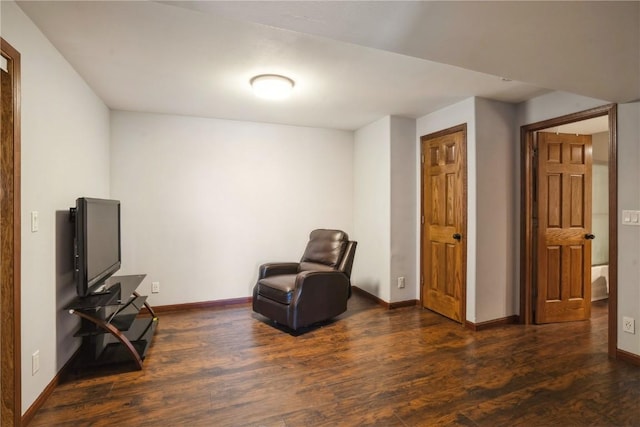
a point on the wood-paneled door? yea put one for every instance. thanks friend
(444, 207)
(563, 275)
(10, 383)
(528, 212)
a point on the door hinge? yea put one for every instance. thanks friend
(422, 158)
(422, 219)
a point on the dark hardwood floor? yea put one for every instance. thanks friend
(403, 367)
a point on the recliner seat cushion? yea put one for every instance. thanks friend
(278, 288)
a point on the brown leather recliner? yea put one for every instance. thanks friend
(299, 294)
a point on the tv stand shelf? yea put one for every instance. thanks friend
(110, 328)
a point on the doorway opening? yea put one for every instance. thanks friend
(604, 214)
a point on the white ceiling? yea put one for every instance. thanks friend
(353, 62)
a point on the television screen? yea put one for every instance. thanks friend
(97, 242)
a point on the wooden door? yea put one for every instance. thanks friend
(563, 272)
(444, 222)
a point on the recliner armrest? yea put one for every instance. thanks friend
(277, 268)
(317, 293)
(325, 279)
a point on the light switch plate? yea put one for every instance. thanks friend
(631, 217)
(35, 362)
(35, 222)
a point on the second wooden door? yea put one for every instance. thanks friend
(563, 270)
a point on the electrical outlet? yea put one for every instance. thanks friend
(35, 362)
(628, 325)
(400, 282)
(155, 287)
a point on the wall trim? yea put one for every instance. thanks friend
(383, 303)
(200, 305)
(247, 300)
(625, 356)
(27, 417)
(370, 296)
(406, 303)
(509, 320)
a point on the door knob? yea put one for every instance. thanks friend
(457, 236)
(589, 236)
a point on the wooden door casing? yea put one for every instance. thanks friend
(444, 219)
(528, 222)
(563, 291)
(10, 382)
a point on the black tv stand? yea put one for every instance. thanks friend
(110, 328)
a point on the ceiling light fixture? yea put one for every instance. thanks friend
(272, 86)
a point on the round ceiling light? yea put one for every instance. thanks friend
(272, 86)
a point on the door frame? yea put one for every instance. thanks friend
(10, 260)
(526, 211)
(463, 220)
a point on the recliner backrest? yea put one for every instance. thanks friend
(325, 250)
(347, 260)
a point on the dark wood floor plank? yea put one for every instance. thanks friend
(371, 366)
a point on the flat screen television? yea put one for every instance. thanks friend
(96, 244)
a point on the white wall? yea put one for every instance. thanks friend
(403, 209)
(206, 201)
(490, 214)
(65, 155)
(457, 114)
(549, 106)
(371, 205)
(628, 236)
(385, 208)
(496, 222)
